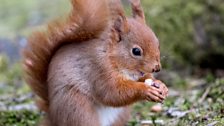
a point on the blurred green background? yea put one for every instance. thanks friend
(191, 35)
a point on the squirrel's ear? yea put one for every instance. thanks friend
(137, 11)
(119, 20)
(121, 25)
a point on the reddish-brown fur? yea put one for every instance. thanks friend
(81, 66)
(43, 44)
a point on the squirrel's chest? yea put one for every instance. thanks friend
(108, 115)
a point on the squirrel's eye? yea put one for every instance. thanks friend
(136, 52)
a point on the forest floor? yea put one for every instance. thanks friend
(191, 102)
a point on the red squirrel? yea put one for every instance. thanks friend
(88, 69)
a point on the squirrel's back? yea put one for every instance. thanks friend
(87, 20)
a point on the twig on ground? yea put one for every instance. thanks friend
(204, 95)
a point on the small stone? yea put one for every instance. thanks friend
(156, 108)
(213, 123)
(175, 112)
(150, 122)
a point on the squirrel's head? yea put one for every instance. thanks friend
(136, 47)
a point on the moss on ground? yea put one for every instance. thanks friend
(19, 118)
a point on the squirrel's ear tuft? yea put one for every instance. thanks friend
(118, 17)
(119, 21)
(137, 11)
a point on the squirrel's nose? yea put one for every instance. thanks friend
(156, 68)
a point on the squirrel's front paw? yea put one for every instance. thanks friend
(162, 87)
(154, 94)
(159, 85)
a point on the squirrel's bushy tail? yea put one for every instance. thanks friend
(87, 20)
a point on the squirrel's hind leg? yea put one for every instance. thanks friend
(72, 108)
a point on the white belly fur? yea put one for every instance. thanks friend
(108, 115)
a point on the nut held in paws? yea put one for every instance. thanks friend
(149, 82)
